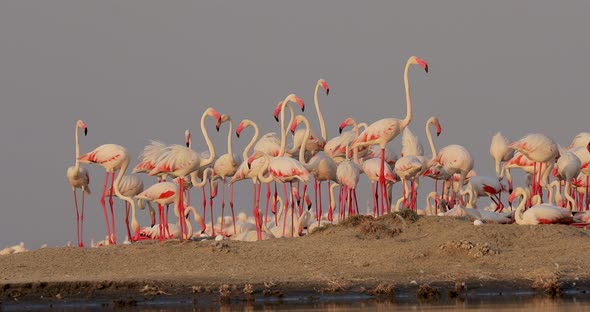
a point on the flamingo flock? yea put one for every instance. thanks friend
(339, 162)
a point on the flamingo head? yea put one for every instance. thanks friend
(214, 189)
(438, 127)
(419, 61)
(187, 138)
(241, 126)
(213, 113)
(277, 111)
(347, 122)
(295, 122)
(254, 156)
(295, 99)
(80, 124)
(222, 119)
(324, 85)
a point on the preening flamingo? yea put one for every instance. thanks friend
(540, 213)
(226, 166)
(180, 160)
(112, 157)
(454, 159)
(335, 148)
(130, 186)
(568, 167)
(385, 130)
(500, 151)
(540, 149)
(78, 178)
(580, 140)
(149, 156)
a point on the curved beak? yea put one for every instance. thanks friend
(217, 127)
(85, 131)
(340, 130)
(238, 134)
(277, 118)
(187, 144)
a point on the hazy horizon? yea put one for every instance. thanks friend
(140, 70)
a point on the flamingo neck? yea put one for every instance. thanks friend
(210, 146)
(284, 128)
(320, 116)
(355, 150)
(117, 183)
(77, 165)
(332, 199)
(304, 143)
(406, 121)
(229, 142)
(264, 168)
(430, 141)
(519, 211)
(252, 141)
(206, 173)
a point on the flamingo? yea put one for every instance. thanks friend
(112, 157)
(385, 130)
(540, 213)
(156, 232)
(568, 167)
(454, 159)
(130, 186)
(583, 153)
(371, 169)
(226, 166)
(540, 149)
(479, 186)
(580, 140)
(348, 173)
(180, 160)
(149, 156)
(315, 143)
(320, 165)
(520, 161)
(335, 148)
(500, 151)
(78, 178)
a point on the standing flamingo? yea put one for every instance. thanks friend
(315, 143)
(78, 178)
(180, 160)
(335, 148)
(583, 153)
(454, 159)
(540, 149)
(580, 140)
(568, 167)
(540, 213)
(226, 166)
(320, 165)
(500, 151)
(112, 157)
(385, 130)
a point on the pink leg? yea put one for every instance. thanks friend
(539, 190)
(303, 203)
(315, 200)
(375, 210)
(112, 210)
(382, 176)
(127, 220)
(285, 208)
(316, 207)
(211, 209)
(203, 224)
(104, 206)
(587, 193)
(231, 205)
(166, 222)
(161, 227)
(356, 203)
(77, 216)
(292, 208)
(257, 216)
(181, 218)
(222, 205)
(267, 204)
(82, 223)
(330, 217)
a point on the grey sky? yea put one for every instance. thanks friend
(140, 70)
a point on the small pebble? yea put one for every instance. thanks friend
(477, 222)
(219, 238)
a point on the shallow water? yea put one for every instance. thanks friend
(336, 304)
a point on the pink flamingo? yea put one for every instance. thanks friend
(371, 168)
(226, 166)
(149, 156)
(540, 149)
(315, 143)
(583, 153)
(348, 173)
(130, 186)
(385, 130)
(500, 151)
(335, 148)
(78, 178)
(112, 157)
(540, 213)
(322, 167)
(580, 140)
(454, 159)
(487, 186)
(567, 168)
(180, 160)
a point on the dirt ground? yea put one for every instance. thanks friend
(363, 255)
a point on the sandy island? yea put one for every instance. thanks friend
(383, 257)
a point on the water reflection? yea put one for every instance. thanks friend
(480, 304)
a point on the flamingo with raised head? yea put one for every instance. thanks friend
(315, 143)
(180, 160)
(335, 148)
(226, 166)
(78, 178)
(385, 130)
(112, 157)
